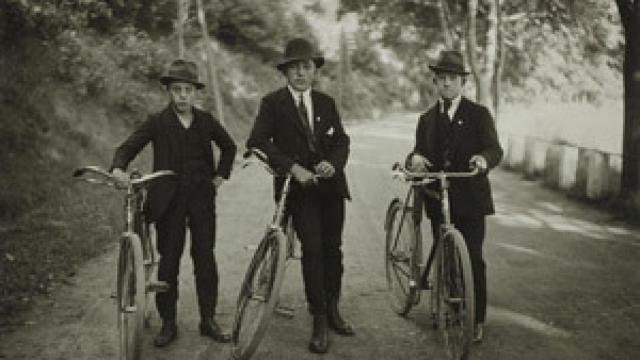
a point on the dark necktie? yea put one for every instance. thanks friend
(302, 110)
(447, 106)
(447, 134)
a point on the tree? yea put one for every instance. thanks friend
(630, 17)
(485, 61)
(428, 22)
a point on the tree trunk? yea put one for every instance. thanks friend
(482, 66)
(443, 13)
(499, 60)
(630, 15)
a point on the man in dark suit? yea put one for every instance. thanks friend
(300, 131)
(454, 134)
(181, 136)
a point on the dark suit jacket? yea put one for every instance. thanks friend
(279, 133)
(473, 133)
(160, 129)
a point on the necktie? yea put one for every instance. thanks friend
(302, 110)
(447, 106)
(447, 134)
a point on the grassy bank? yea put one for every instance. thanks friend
(69, 103)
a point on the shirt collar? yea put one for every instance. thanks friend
(455, 102)
(296, 95)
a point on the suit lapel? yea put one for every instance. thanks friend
(430, 131)
(290, 109)
(317, 125)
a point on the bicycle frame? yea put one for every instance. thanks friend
(452, 296)
(418, 180)
(280, 213)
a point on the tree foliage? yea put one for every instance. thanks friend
(565, 49)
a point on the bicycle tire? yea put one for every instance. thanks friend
(267, 268)
(150, 267)
(130, 297)
(402, 257)
(457, 297)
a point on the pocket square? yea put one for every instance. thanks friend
(329, 131)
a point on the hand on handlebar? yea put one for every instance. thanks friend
(479, 162)
(303, 176)
(419, 163)
(324, 169)
(122, 178)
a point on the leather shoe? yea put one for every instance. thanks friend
(336, 322)
(210, 328)
(478, 333)
(319, 343)
(167, 334)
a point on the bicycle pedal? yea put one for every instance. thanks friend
(285, 311)
(157, 286)
(130, 309)
(147, 262)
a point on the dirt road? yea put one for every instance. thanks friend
(563, 278)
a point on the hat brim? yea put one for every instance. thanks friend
(318, 60)
(441, 69)
(166, 80)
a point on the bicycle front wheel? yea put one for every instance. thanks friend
(456, 294)
(131, 297)
(402, 258)
(259, 294)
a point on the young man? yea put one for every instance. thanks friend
(300, 131)
(454, 134)
(181, 136)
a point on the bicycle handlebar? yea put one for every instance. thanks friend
(425, 177)
(265, 160)
(86, 172)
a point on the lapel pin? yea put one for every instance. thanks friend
(317, 118)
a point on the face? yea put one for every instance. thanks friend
(449, 85)
(183, 96)
(300, 74)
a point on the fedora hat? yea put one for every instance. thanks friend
(299, 49)
(450, 61)
(182, 71)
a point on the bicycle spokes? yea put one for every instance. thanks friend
(457, 301)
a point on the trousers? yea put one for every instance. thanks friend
(318, 219)
(192, 206)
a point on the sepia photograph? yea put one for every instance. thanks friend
(319, 179)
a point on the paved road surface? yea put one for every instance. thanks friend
(564, 278)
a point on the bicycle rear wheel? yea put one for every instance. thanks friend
(131, 297)
(259, 294)
(456, 297)
(403, 253)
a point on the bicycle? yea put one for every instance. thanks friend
(137, 259)
(260, 288)
(451, 299)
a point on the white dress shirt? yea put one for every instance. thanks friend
(455, 102)
(306, 97)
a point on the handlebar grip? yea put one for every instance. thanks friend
(257, 153)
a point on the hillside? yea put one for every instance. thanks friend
(75, 81)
